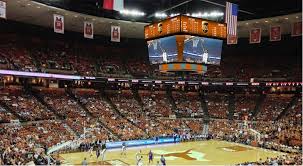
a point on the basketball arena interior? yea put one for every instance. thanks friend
(150, 82)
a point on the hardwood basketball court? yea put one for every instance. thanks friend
(189, 153)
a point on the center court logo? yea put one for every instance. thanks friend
(186, 155)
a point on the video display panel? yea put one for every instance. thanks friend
(202, 50)
(163, 50)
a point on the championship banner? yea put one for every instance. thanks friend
(2, 9)
(58, 23)
(115, 34)
(296, 29)
(88, 30)
(255, 35)
(232, 39)
(275, 33)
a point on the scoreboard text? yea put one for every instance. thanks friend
(163, 28)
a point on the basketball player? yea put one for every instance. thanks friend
(84, 162)
(140, 161)
(163, 162)
(123, 149)
(205, 52)
(138, 155)
(103, 150)
(195, 44)
(98, 152)
(164, 56)
(205, 56)
(150, 157)
(91, 150)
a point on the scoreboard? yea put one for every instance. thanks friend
(163, 28)
(185, 25)
(202, 27)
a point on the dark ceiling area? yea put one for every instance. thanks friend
(249, 9)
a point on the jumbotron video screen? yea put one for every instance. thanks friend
(194, 49)
(202, 50)
(163, 50)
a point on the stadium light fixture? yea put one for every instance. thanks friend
(174, 14)
(213, 14)
(134, 13)
(160, 15)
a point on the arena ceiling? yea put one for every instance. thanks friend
(37, 13)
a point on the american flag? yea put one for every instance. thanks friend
(231, 15)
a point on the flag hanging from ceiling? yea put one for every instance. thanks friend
(2, 9)
(88, 30)
(296, 29)
(275, 33)
(115, 34)
(117, 5)
(231, 17)
(58, 23)
(255, 35)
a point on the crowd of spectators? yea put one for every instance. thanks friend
(133, 111)
(294, 115)
(276, 135)
(22, 143)
(64, 105)
(17, 57)
(102, 110)
(244, 105)
(5, 116)
(195, 125)
(104, 116)
(217, 105)
(25, 105)
(188, 104)
(155, 103)
(280, 160)
(272, 106)
(79, 58)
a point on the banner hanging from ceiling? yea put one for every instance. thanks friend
(296, 29)
(2, 9)
(88, 30)
(58, 23)
(115, 33)
(255, 35)
(275, 33)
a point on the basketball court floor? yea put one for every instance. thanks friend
(189, 153)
